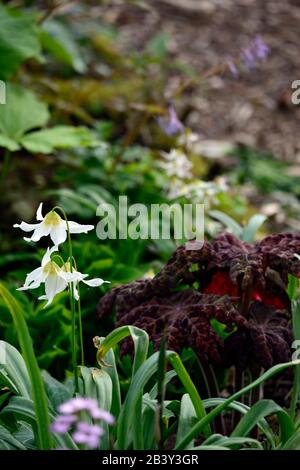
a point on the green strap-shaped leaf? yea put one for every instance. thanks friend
(43, 436)
(196, 430)
(13, 372)
(260, 410)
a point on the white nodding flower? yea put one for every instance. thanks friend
(56, 278)
(76, 277)
(49, 273)
(52, 224)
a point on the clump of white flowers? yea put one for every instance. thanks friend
(176, 163)
(55, 277)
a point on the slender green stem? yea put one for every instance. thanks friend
(79, 320)
(80, 330)
(60, 258)
(72, 301)
(5, 167)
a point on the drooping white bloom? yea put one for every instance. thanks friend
(52, 224)
(49, 273)
(56, 278)
(77, 277)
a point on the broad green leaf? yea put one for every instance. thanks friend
(8, 143)
(46, 140)
(18, 40)
(22, 112)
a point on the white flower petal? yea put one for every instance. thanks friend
(94, 282)
(47, 255)
(26, 227)
(54, 285)
(74, 227)
(75, 291)
(33, 285)
(73, 276)
(41, 230)
(39, 215)
(34, 276)
(58, 233)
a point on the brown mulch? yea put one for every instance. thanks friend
(255, 109)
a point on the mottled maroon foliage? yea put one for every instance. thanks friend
(240, 285)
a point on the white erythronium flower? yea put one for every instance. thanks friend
(56, 278)
(49, 273)
(79, 277)
(52, 224)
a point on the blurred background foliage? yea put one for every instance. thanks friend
(81, 126)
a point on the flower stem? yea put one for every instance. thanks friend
(80, 330)
(72, 301)
(79, 320)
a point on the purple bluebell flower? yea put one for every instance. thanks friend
(170, 124)
(262, 49)
(256, 51)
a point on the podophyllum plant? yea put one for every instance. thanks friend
(227, 301)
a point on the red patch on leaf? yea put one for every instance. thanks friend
(221, 284)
